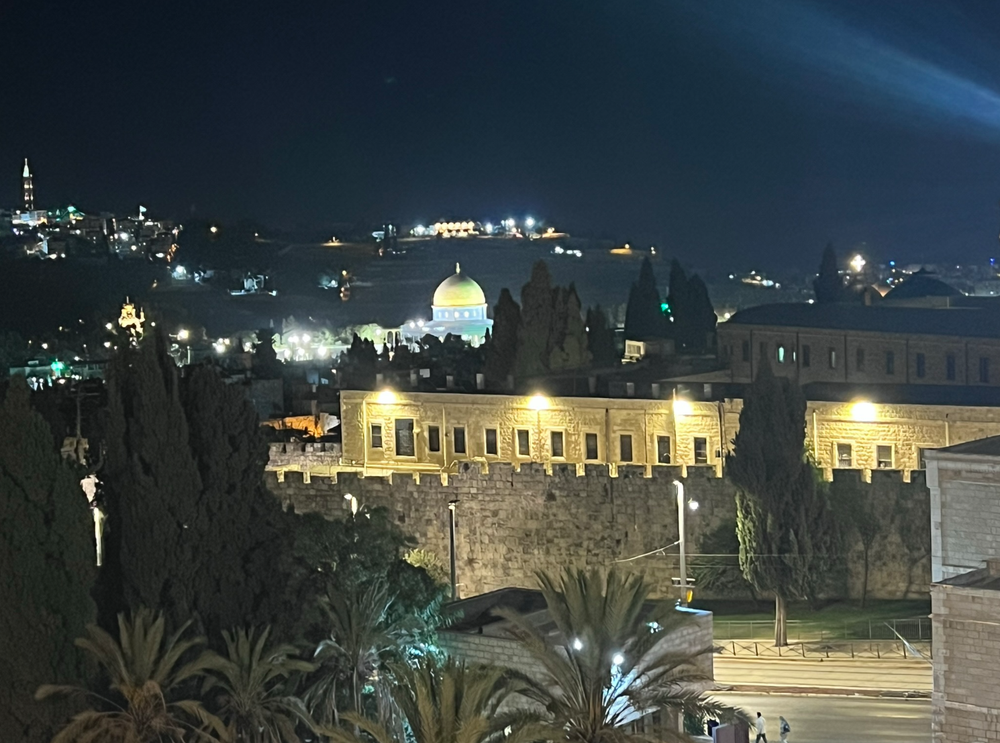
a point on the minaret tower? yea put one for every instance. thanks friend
(28, 187)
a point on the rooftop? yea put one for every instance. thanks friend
(970, 322)
(983, 579)
(922, 284)
(988, 447)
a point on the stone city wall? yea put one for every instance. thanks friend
(512, 523)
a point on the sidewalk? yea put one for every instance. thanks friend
(841, 676)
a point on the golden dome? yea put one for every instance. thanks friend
(458, 291)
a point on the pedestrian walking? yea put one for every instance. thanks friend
(761, 729)
(783, 729)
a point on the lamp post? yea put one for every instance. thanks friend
(452, 504)
(354, 503)
(682, 541)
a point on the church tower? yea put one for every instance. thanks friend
(28, 187)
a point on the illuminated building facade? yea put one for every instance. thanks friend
(459, 308)
(388, 431)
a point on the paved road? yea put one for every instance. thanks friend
(833, 674)
(825, 719)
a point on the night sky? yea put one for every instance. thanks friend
(746, 132)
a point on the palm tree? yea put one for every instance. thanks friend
(146, 700)
(446, 702)
(363, 637)
(253, 703)
(610, 663)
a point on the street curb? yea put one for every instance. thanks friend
(823, 691)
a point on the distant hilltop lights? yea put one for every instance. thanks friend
(529, 227)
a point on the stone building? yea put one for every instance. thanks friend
(389, 432)
(964, 483)
(858, 345)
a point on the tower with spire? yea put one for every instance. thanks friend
(28, 187)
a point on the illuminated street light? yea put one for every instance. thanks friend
(864, 412)
(213, 229)
(354, 503)
(529, 222)
(618, 659)
(682, 408)
(386, 397)
(578, 644)
(489, 228)
(857, 263)
(538, 402)
(183, 335)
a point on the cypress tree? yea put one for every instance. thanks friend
(568, 336)
(150, 489)
(828, 284)
(784, 524)
(502, 349)
(240, 582)
(537, 314)
(601, 339)
(698, 324)
(644, 318)
(678, 301)
(47, 569)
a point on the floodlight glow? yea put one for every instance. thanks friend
(682, 408)
(538, 402)
(864, 412)
(386, 397)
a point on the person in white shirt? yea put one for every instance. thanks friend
(761, 729)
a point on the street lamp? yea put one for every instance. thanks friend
(354, 503)
(452, 504)
(681, 512)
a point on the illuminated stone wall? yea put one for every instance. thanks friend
(905, 429)
(515, 522)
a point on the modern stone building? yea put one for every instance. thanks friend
(854, 344)
(387, 432)
(964, 482)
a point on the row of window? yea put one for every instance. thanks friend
(884, 456)
(781, 355)
(405, 447)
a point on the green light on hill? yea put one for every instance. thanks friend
(57, 367)
(665, 308)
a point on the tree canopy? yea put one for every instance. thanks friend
(47, 567)
(644, 319)
(828, 284)
(784, 524)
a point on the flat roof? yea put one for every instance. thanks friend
(957, 322)
(988, 447)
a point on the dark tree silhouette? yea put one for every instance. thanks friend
(535, 331)
(501, 351)
(828, 284)
(644, 319)
(47, 570)
(601, 339)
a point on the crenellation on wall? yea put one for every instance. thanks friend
(513, 522)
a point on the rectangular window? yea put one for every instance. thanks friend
(832, 355)
(806, 355)
(625, 448)
(845, 455)
(434, 438)
(557, 444)
(746, 351)
(491, 441)
(590, 442)
(921, 366)
(859, 360)
(663, 449)
(523, 443)
(984, 369)
(700, 450)
(890, 362)
(376, 435)
(459, 439)
(883, 457)
(949, 364)
(780, 354)
(404, 437)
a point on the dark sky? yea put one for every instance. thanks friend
(730, 132)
